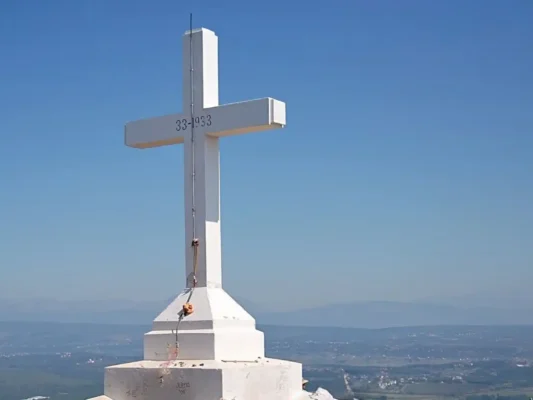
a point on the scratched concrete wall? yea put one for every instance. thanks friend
(163, 384)
(266, 379)
(279, 380)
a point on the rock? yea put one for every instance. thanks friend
(320, 394)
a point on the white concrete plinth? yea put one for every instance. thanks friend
(218, 329)
(220, 356)
(263, 379)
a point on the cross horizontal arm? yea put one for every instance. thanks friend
(244, 117)
(219, 121)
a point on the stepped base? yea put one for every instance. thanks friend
(263, 379)
(218, 329)
(227, 344)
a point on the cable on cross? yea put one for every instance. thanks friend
(188, 308)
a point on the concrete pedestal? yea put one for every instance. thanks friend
(263, 379)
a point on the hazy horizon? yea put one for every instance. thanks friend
(474, 300)
(379, 314)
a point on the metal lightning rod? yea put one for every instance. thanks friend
(193, 177)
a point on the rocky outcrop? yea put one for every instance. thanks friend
(320, 394)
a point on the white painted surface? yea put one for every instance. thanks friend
(263, 379)
(226, 120)
(211, 122)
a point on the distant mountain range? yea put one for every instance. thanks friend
(350, 315)
(396, 314)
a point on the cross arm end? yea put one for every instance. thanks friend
(247, 116)
(278, 112)
(152, 132)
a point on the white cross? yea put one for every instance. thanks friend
(211, 122)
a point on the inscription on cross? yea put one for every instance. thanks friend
(210, 122)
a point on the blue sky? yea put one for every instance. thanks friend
(405, 170)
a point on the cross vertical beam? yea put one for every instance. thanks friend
(209, 122)
(206, 189)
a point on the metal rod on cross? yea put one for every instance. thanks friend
(195, 241)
